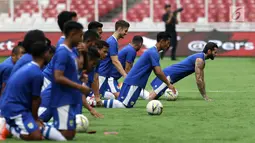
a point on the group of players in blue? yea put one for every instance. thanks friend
(40, 81)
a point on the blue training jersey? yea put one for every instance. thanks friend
(47, 72)
(26, 58)
(142, 69)
(127, 54)
(106, 65)
(61, 95)
(184, 68)
(91, 76)
(5, 71)
(20, 89)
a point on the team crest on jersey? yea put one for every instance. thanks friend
(71, 123)
(30, 125)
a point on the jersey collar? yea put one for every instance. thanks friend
(34, 63)
(115, 38)
(64, 45)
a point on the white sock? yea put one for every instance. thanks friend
(145, 94)
(113, 103)
(51, 133)
(13, 131)
(2, 123)
(109, 95)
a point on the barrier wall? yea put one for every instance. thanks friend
(240, 44)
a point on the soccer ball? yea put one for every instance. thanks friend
(154, 107)
(82, 123)
(170, 96)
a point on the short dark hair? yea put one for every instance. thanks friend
(90, 35)
(93, 53)
(167, 6)
(31, 37)
(71, 25)
(39, 48)
(100, 44)
(16, 49)
(64, 17)
(94, 25)
(163, 36)
(137, 39)
(210, 46)
(122, 24)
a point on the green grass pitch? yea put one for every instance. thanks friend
(230, 117)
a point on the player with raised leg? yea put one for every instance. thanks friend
(194, 63)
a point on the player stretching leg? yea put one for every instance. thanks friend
(138, 76)
(21, 99)
(194, 63)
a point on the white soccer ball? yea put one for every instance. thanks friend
(170, 96)
(82, 123)
(154, 107)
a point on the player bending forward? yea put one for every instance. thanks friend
(194, 63)
(21, 99)
(138, 76)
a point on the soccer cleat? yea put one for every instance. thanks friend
(4, 133)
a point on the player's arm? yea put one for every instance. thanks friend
(59, 67)
(36, 99)
(128, 67)
(5, 77)
(61, 79)
(199, 71)
(90, 109)
(118, 65)
(95, 88)
(159, 73)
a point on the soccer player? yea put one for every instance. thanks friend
(30, 38)
(96, 26)
(126, 57)
(64, 17)
(45, 113)
(106, 65)
(21, 99)
(7, 65)
(138, 76)
(93, 82)
(194, 63)
(66, 88)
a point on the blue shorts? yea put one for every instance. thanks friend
(159, 86)
(129, 94)
(64, 117)
(45, 113)
(23, 123)
(108, 84)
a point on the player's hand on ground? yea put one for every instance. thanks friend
(39, 123)
(206, 98)
(94, 113)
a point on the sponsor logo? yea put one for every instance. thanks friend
(7, 45)
(198, 46)
(30, 125)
